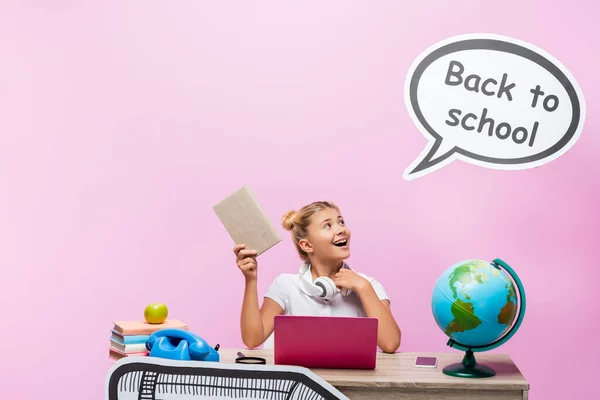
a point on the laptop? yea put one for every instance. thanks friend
(325, 342)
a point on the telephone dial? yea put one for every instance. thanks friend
(179, 344)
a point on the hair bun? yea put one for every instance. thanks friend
(289, 219)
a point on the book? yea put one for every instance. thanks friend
(115, 354)
(128, 348)
(128, 339)
(246, 221)
(127, 328)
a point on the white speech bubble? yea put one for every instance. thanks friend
(492, 101)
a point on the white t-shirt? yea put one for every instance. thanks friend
(286, 291)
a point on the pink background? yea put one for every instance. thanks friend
(122, 123)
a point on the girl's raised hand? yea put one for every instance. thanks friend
(348, 279)
(246, 261)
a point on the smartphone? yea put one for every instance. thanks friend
(426, 362)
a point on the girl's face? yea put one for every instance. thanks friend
(328, 236)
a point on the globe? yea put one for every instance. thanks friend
(479, 305)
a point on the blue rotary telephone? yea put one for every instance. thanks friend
(179, 344)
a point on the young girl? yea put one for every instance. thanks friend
(323, 243)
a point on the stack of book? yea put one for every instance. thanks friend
(128, 338)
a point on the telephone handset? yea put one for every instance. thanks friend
(180, 344)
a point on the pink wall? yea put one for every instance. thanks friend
(122, 123)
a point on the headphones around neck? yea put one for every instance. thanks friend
(323, 287)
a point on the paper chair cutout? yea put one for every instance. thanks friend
(152, 378)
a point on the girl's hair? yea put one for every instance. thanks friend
(298, 221)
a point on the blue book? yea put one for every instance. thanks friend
(129, 339)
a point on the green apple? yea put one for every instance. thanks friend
(156, 313)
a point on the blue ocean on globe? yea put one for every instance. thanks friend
(474, 303)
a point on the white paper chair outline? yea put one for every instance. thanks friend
(152, 378)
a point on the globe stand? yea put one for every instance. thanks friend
(469, 368)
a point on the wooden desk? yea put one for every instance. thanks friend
(396, 378)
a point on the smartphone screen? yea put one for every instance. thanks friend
(427, 362)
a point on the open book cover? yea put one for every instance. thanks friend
(246, 221)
